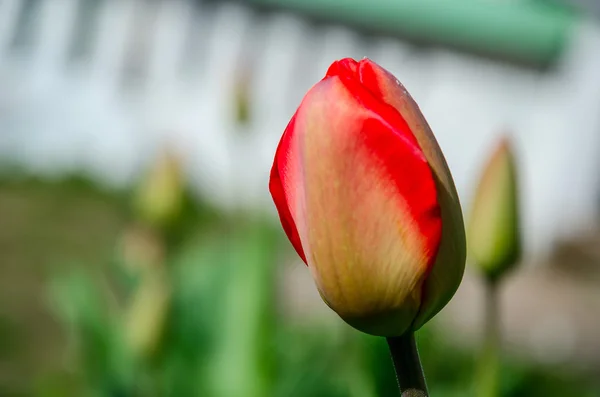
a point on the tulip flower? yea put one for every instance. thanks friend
(494, 230)
(367, 200)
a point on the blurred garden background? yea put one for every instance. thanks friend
(140, 253)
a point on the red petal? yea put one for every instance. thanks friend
(368, 74)
(278, 190)
(344, 68)
(397, 152)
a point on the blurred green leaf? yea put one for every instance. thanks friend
(245, 356)
(98, 339)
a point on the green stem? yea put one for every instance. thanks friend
(489, 366)
(407, 365)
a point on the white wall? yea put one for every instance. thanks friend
(58, 114)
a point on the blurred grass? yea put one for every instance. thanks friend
(225, 333)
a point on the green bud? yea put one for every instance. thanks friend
(493, 232)
(158, 200)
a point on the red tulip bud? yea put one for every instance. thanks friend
(366, 198)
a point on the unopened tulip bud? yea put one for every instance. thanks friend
(366, 198)
(159, 198)
(494, 230)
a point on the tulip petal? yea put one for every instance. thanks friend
(448, 269)
(412, 185)
(278, 189)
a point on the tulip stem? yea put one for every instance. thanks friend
(488, 379)
(407, 365)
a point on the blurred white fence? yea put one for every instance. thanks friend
(100, 84)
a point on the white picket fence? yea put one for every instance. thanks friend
(149, 72)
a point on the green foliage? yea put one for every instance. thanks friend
(224, 332)
(95, 331)
(225, 337)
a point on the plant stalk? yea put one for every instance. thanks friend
(407, 365)
(488, 376)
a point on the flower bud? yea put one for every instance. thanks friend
(493, 229)
(159, 198)
(366, 198)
